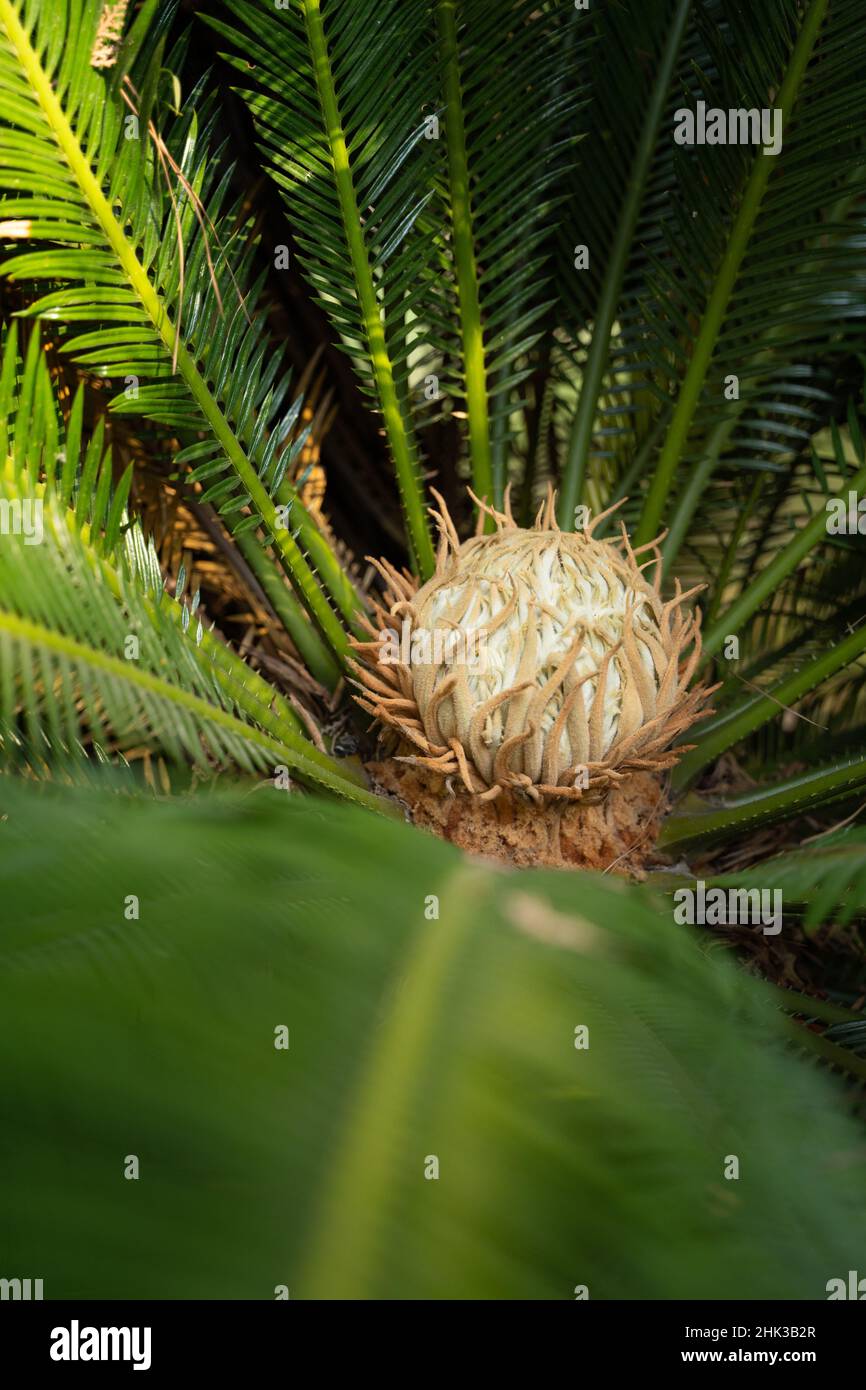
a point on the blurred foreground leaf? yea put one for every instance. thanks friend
(409, 1038)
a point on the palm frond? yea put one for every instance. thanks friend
(618, 203)
(546, 1153)
(826, 880)
(735, 258)
(696, 823)
(96, 656)
(758, 709)
(512, 86)
(699, 270)
(354, 169)
(805, 539)
(122, 213)
(97, 665)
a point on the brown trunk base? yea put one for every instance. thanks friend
(617, 832)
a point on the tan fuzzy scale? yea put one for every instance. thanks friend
(571, 671)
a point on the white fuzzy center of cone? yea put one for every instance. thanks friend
(562, 594)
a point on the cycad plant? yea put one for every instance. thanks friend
(598, 272)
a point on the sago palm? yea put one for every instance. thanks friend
(618, 383)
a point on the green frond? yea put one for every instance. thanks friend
(824, 880)
(469, 1054)
(614, 234)
(78, 574)
(757, 709)
(512, 78)
(123, 200)
(354, 168)
(695, 822)
(708, 262)
(756, 321)
(97, 664)
(762, 585)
